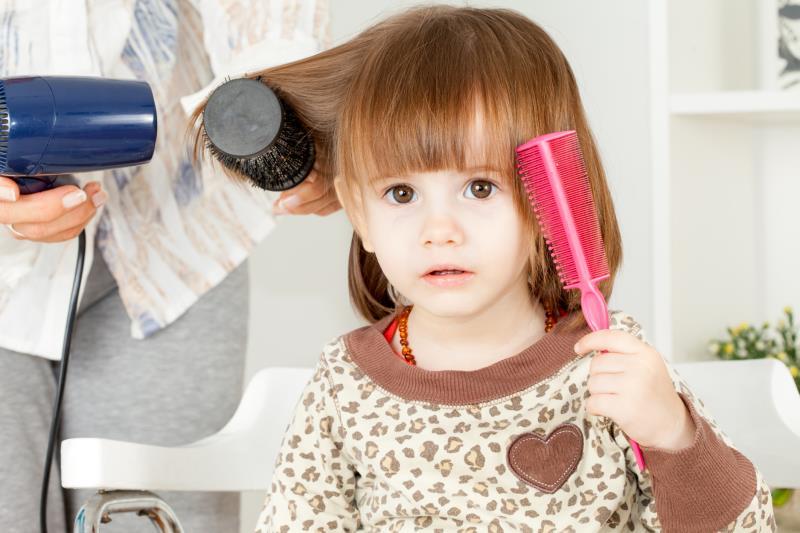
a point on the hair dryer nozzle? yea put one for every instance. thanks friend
(52, 125)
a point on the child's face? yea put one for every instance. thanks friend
(466, 219)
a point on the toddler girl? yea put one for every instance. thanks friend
(465, 404)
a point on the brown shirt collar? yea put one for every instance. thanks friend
(370, 350)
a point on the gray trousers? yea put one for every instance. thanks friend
(179, 385)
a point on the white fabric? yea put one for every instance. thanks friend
(168, 231)
(279, 51)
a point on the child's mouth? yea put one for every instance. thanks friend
(447, 278)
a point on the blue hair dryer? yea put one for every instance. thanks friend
(53, 125)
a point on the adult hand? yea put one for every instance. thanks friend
(312, 196)
(54, 215)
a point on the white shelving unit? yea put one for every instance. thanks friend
(725, 150)
(766, 106)
(725, 155)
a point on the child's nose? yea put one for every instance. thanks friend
(442, 230)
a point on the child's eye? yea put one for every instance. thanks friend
(481, 188)
(401, 194)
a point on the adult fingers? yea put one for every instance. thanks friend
(9, 190)
(297, 199)
(307, 206)
(330, 208)
(44, 206)
(68, 224)
(65, 235)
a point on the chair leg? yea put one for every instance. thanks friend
(98, 509)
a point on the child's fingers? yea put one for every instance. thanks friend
(612, 340)
(606, 383)
(603, 405)
(610, 362)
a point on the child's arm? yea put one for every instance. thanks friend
(706, 486)
(313, 484)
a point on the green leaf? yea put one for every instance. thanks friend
(781, 496)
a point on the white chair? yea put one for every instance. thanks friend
(239, 457)
(755, 403)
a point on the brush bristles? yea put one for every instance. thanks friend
(571, 172)
(282, 165)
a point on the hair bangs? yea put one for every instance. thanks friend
(419, 104)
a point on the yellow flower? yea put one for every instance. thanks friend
(794, 370)
(728, 348)
(783, 357)
(788, 309)
(740, 328)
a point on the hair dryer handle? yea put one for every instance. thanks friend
(30, 185)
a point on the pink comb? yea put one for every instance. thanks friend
(554, 174)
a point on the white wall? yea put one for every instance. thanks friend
(299, 298)
(780, 249)
(734, 178)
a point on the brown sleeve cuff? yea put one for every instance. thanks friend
(702, 487)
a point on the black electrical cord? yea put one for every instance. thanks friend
(54, 425)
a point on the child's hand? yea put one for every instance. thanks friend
(311, 196)
(631, 385)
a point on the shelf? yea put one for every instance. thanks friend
(767, 106)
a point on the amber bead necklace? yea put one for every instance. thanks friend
(402, 322)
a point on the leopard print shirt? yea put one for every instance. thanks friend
(358, 456)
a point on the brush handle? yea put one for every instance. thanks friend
(594, 306)
(595, 311)
(553, 171)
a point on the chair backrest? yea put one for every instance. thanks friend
(260, 422)
(239, 457)
(756, 404)
(272, 396)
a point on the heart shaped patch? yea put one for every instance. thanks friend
(546, 463)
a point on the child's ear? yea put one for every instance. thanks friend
(351, 201)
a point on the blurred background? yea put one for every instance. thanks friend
(698, 134)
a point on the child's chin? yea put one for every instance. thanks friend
(450, 305)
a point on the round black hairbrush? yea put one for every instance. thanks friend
(256, 135)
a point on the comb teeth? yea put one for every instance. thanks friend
(568, 177)
(4, 128)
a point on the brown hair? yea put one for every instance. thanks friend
(393, 101)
